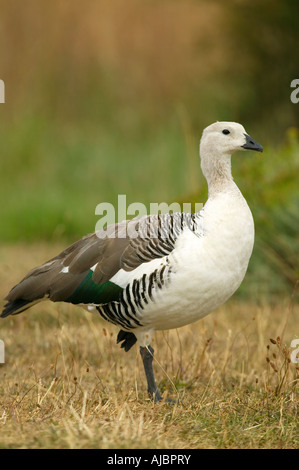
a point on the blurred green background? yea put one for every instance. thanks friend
(110, 97)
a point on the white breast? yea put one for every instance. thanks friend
(206, 269)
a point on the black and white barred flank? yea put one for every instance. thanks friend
(161, 232)
(127, 312)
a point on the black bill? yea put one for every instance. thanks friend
(251, 144)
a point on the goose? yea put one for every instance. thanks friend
(157, 272)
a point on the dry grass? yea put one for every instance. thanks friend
(66, 384)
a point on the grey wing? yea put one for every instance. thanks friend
(122, 246)
(149, 237)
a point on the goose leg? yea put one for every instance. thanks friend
(147, 355)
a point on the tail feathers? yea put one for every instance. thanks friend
(17, 306)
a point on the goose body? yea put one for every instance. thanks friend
(157, 272)
(205, 268)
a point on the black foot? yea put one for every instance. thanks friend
(127, 339)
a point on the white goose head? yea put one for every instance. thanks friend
(227, 137)
(218, 142)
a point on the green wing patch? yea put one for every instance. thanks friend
(88, 292)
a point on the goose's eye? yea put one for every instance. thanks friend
(225, 131)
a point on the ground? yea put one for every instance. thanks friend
(66, 383)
